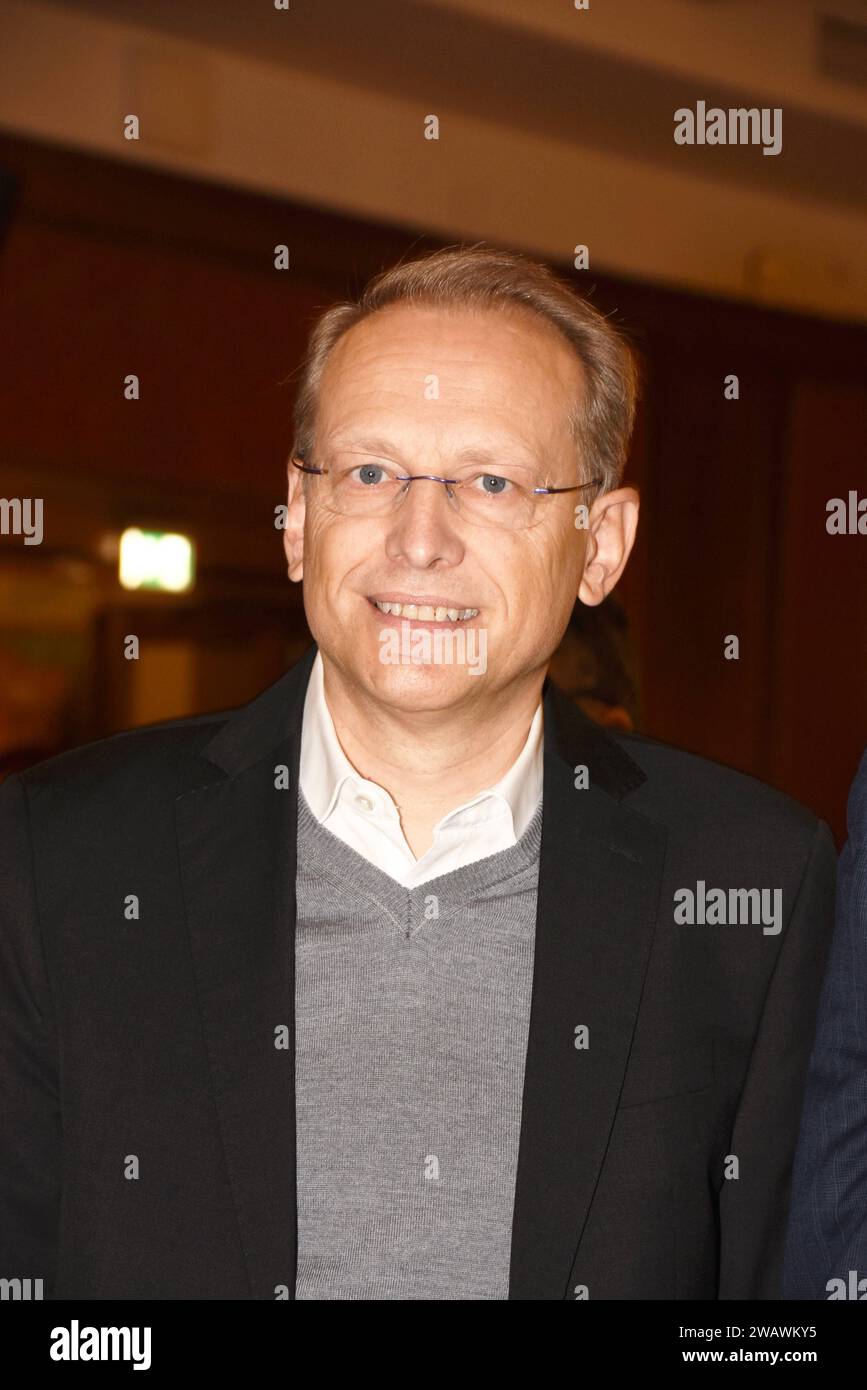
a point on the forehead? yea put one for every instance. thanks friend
(452, 366)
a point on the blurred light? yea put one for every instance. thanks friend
(156, 560)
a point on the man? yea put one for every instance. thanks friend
(407, 981)
(826, 1255)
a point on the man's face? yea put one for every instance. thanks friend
(504, 383)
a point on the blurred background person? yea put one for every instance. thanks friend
(596, 666)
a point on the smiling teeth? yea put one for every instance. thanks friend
(426, 614)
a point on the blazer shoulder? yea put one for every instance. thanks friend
(681, 784)
(154, 753)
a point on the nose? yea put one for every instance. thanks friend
(422, 527)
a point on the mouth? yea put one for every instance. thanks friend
(431, 613)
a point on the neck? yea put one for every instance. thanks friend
(431, 761)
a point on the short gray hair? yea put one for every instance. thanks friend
(482, 277)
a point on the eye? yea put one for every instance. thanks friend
(499, 485)
(368, 473)
(371, 474)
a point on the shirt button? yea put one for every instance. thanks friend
(364, 802)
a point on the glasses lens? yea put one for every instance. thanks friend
(361, 485)
(504, 498)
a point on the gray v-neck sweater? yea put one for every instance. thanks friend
(412, 1016)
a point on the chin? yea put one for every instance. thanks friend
(423, 686)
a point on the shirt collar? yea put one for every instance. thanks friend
(324, 768)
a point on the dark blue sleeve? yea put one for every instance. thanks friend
(826, 1251)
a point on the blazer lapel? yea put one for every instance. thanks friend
(236, 831)
(599, 877)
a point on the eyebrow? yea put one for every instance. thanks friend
(365, 444)
(472, 453)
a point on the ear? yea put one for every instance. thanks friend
(293, 532)
(613, 522)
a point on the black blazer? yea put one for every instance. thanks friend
(151, 1039)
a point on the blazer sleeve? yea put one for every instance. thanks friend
(29, 1089)
(828, 1227)
(754, 1205)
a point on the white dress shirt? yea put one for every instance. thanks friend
(364, 816)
